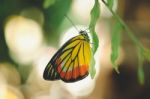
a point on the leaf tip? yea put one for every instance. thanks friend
(117, 70)
(92, 75)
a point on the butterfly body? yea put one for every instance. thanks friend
(71, 61)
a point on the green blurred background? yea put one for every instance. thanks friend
(31, 32)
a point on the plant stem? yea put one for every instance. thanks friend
(129, 32)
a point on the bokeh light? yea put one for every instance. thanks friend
(10, 73)
(81, 88)
(2, 86)
(36, 87)
(41, 97)
(13, 93)
(58, 91)
(9, 82)
(34, 14)
(44, 57)
(82, 8)
(105, 13)
(23, 37)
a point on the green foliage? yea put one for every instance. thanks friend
(95, 13)
(110, 3)
(48, 3)
(115, 43)
(96, 42)
(141, 74)
(142, 52)
(146, 54)
(140, 66)
(92, 66)
(54, 16)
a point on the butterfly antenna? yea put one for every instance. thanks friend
(89, 28)
(72, 23)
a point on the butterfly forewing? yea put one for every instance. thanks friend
(71, 62)
(50, 73)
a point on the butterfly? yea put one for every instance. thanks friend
(71, 62)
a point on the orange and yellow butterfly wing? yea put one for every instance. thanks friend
(71, 62)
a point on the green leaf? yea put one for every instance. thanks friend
(54, 16)
(115, 44)
(95, 13)
(48, 3)
(96, 42)
(92, 67)
(146, 54)
(141, 75)
(140, 67)
(110, 3)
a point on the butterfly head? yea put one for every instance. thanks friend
(85, 35)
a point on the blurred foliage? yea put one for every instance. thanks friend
(48, 3)
(142, 53)
(140, 67)
(110, 3)
(115, 43)
(95, 13)
(146, 54)
(53, 11)
(92, 69)
(7, 8)
(54, 15)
